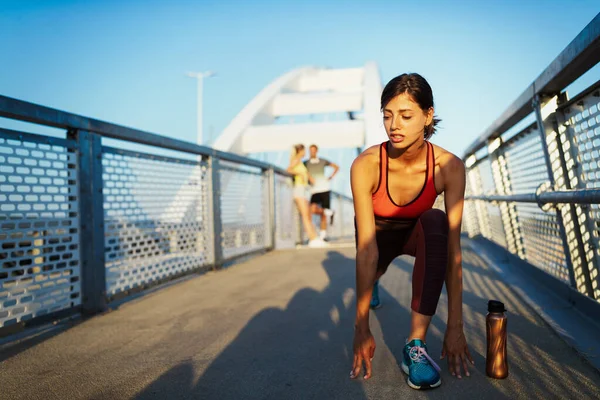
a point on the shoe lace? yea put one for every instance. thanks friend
(419, 354)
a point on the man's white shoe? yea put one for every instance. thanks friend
(318, 243)
(323, 235)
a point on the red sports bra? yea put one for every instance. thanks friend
(384, 206)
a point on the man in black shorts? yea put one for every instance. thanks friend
(320, 200)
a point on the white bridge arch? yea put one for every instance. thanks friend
(296, 105)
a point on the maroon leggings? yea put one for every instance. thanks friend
(426, 239)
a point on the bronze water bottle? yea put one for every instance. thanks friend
(496, 361)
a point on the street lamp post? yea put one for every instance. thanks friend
(200, 78)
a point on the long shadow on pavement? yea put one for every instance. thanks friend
(303, 351)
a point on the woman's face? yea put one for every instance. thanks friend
(405, 121)
(301, 153)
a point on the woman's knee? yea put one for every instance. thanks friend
(434, 221)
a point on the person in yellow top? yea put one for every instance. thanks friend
(298, 169)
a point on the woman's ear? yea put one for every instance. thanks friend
(429, 116)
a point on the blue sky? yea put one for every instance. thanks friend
(125, 61)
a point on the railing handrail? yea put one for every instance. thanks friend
(343, 196)
(578, 57)
(34, 113)
(581, 196)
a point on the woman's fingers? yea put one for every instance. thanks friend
(367, 367)
(356, 366)
(463, 357)
(469, 355)
(457, 366)
(450, 364)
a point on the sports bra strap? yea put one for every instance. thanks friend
(383, 166)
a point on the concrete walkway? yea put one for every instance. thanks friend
(280, 327)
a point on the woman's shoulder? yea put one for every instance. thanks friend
(368, 158)
(447, 161)
(365, 168)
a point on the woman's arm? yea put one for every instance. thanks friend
(366, 246)
(362, 181)
(454, 195)
(455, 344)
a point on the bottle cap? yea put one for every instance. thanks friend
(496, 306)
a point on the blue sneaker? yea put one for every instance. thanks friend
(375, 303)
(422, 371)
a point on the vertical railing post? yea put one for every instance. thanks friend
(564, 147)
(470, 220)
(340, 217)
(508, 211)
(91, 213)
(480, 206)
(215, 197)
(546, 128)
(272, 204)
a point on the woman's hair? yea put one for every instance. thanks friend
(416, 87)
(297, 148)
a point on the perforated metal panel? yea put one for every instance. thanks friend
(581, 131)
(39, 227)
(286, 216)
(561, 143)
(540, 230)
(495, 231)
(496, 226)
(244, 208)
(346, 219)
(488, 185)
(560, 158)
(526, 163)
(508, 210)
(336, 229)
(343, 218)
(474, 179)
(157, 218)
(470, 223)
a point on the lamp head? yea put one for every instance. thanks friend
(205, 74)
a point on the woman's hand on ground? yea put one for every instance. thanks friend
(364, 350)
(456, 350)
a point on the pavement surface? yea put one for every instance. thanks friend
(280, 326)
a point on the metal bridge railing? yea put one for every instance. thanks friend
(82, 222)
(537, 192)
